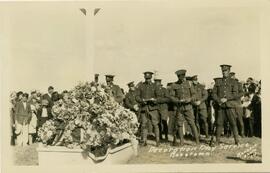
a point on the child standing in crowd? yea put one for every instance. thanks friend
(248, 120)
(33, 122)
(22, 119)
(43, 113)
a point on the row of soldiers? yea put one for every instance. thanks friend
(185, 101)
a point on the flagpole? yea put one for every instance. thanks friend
(89, 22)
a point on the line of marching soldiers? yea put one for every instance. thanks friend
(184, 102)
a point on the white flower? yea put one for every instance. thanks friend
(74, 100)
(93, 89)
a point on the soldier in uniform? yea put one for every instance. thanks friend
(130, 101)
(215, 113)
(164, 98)
(114, 90)
(146, 96)
(239, 109)
(225, 94)
(130, 98)
(200, 109)
(186, 128)
(183, 94)
(172, 113)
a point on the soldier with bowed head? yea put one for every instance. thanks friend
(183, 94)
(114, 90)
(147, 98)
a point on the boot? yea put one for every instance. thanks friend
(181, 142)
(174, 141)
(157, 135)
(160, 136)
(157, 143)
(166, 138)
(160, 131)
(144, 143)
(180, 131)
(206, 131)
(195, 133)
(144, 137)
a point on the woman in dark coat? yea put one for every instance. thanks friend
(255, 107)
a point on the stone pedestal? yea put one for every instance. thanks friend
(59, 155)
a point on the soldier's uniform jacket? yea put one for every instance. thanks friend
(200, 95)
(226, 88)
(163, 98)
(171, 105)
(117, 93)
(146, 91)
(183, 90)
(130, 100)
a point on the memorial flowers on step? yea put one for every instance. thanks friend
(89, 118)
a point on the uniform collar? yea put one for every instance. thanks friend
(180, 81)
(150, 83)
(110, 85)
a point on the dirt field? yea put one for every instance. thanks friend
(166, 154)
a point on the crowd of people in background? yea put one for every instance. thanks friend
(185, 108)
(29, 112)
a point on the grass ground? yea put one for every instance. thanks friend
(165, 153)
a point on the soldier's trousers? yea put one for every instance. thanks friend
(240, 122)
(187, 115)
(230, 115)
(172, 123)
(163, 125)
(151, 117)
(201, 115)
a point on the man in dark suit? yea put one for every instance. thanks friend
(49, 96)
(22, 119)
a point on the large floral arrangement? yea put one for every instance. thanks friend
(88, 117)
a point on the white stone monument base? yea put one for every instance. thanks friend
(60, 155)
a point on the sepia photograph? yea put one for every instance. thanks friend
(134, 83)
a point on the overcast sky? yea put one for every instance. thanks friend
(49, 44)
(168, 39)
